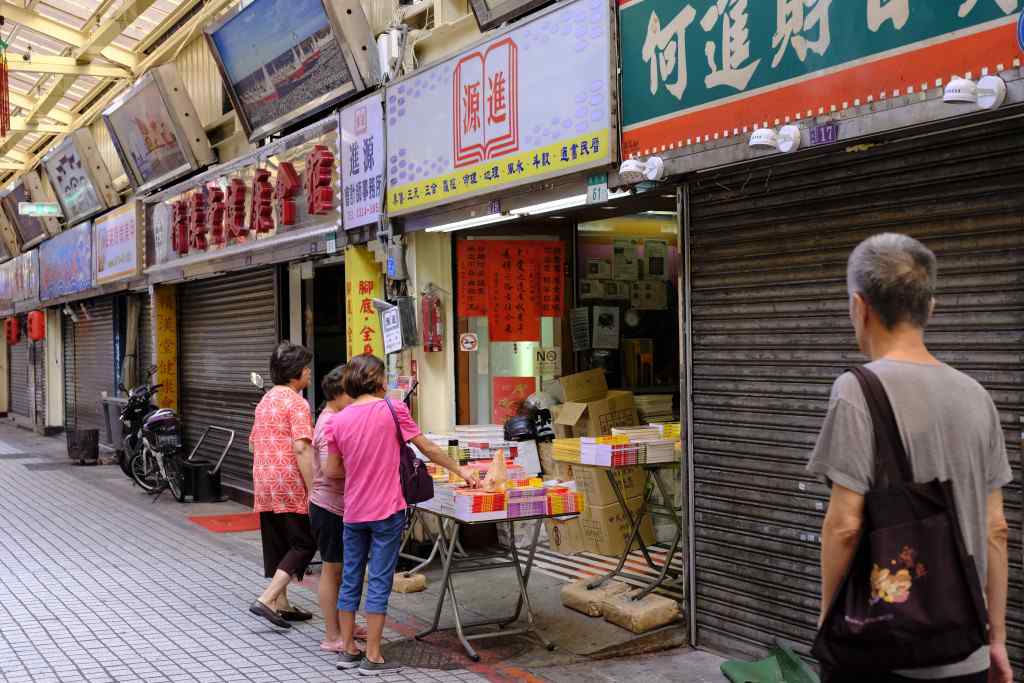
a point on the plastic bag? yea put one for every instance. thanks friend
(497, 473)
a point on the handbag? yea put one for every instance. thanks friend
(417, 484)
(911, 598)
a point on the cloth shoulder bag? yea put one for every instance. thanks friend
(912, 596)
(417, 484)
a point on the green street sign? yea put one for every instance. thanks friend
(39, 209)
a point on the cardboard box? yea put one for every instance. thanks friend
(565, 536)
(596, 417)
(593, 483)
(547, 463)
(584, 386)
(563, 471)
(606, 528)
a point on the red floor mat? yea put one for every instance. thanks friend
(226, 524)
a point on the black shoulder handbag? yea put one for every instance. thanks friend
(912, 597)
(417, 484)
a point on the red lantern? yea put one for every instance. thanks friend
(12, 330)
(36, 326)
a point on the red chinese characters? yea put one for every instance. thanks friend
(235, 208)
(217, 208)
(486, 99)
(514, 313)
(317, 181)
(197, 221)
(288, 185)
(550, 257)
(471, 257)
(179, 227)
(261, 217)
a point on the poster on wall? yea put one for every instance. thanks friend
(362, 161)
(507, 396)
(65, 263)
(606, 327)
(533, 102)
(704, 70)
(115, 245)
(362, 285)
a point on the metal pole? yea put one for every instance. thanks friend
(686, 401)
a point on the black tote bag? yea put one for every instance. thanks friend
(912, 596)
(417, 484)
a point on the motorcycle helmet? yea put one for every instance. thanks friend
(520, 428)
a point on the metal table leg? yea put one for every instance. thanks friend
(634, 535)
(446, 550)
(666, 567)
(523, 577)
(534, 541)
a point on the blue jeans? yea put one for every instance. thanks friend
(378, 542)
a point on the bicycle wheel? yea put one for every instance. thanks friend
(144, 471)
(173, 468)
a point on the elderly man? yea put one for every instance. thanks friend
(949, 425)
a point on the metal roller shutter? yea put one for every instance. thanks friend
(770, 333)
(21, 397)
(38, 352)
(146, 360)
(88, 365)
(228, 328)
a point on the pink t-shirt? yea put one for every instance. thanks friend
(328, 492)
(365, 437)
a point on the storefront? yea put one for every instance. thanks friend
(239, 261)
(769, 221)
(26, 358)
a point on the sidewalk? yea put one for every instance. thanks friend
(100, 584)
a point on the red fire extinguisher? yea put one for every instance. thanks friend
(433, 320)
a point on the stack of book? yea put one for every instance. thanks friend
(610, 451)
(563, 501)
(528, 501)
(566, 450)
(654, 407)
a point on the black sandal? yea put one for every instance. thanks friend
(295, 614)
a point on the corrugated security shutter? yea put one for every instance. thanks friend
(146, 360)
(227, 329)
(771, 333)
(21, 398)
(88, 366)
(39, 370)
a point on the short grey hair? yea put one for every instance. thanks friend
(896, 275)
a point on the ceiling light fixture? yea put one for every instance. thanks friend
(477, 222)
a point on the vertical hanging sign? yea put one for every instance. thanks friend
(471, 261)
(514, 314)
(362, 285)
(362, 161)
(165, 333)
(550, 258)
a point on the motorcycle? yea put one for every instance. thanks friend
(133, 415)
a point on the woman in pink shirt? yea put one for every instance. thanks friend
(364, 443)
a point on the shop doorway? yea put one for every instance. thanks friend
(327, 291)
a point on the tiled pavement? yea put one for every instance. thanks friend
(97, 585)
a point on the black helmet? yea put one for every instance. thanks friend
(520, 428)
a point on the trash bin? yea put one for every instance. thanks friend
(84, 445)
(201, 483)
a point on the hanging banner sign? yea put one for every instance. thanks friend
(471, 260)
(543, 266)
(532, 103)
(513, 313)
(362, 161)
(699, 70)
(65, 263)
(362, 285)
(115, 245)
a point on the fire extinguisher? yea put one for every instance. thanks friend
(433, 321)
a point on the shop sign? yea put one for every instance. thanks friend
(39, 209)
(19, 278)
(531, 103)
(362, 286)
(165, 342)
(65, 263)
(115, 245)
(699, 70)
(362, 161)
(469, 342)
(391, 328)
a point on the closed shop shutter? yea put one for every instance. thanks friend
(770, 333)
(228, 329)
(20, 387)
(146, 360)
(39, 371)
(88, 366)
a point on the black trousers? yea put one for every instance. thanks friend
(981, 677)
(288, 543)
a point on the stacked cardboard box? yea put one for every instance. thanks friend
(590, 409)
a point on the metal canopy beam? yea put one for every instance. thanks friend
(63, 33)
(19, 123)
(52, 64)
(97, 41)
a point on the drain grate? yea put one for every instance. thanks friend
(419, 655)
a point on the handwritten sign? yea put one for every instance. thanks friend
(471, 260)
(481, 282)
(362, 285)
(514, 313)
(115, 245)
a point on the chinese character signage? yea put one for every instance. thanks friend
(513, 312)
(507, 396)
(532, 103)
(65, 263)
(115, 245)
(696, 70)
(165, 342)
(471, 260)
(362, 161)
(498, 278)
(362, 285)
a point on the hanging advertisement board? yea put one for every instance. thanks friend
(65, 263)
(362, 285)
(115, 245)
(533, 102)
(362, 154)
(700, 70)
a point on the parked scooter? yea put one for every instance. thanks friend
(133, 415)
(157, 466)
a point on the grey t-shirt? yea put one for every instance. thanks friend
(951, 431)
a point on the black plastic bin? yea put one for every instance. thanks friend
(84, 445)
(201, 482)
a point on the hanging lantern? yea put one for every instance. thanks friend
(5, 89)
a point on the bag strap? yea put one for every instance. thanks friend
(398, 427)
(890, 453)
